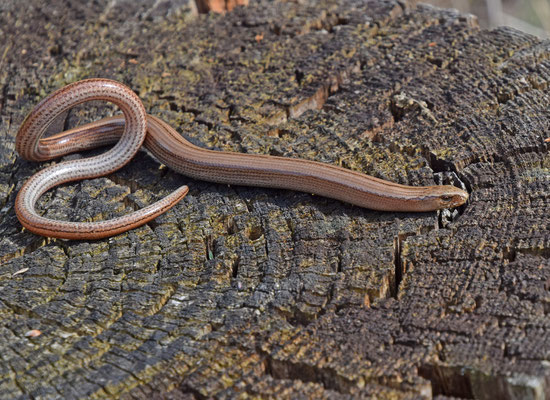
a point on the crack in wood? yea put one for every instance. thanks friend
(402, 38)
(209, 247)
(398, 265)
(325, 376)
(317, 100)
(447, 381)
(235, 267)
(35, 245)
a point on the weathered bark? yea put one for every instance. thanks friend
(268, 293)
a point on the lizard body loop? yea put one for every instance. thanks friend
(135, 128)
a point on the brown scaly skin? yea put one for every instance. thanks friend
(128, 131)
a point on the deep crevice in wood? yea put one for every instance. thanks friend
(447, 381)
(328, 378)
(478, 288)
(398, 263)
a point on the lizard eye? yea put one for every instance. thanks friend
(446, 198)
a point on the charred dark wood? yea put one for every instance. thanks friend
(267, 293)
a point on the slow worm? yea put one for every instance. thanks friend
(135, 127)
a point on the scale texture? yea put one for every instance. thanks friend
(261, 293)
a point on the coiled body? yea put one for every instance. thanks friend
(28, 145)
(177, 153)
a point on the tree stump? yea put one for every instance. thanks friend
(247, 292)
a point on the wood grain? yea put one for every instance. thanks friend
(252, 292)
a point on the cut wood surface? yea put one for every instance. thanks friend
(247, 292)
